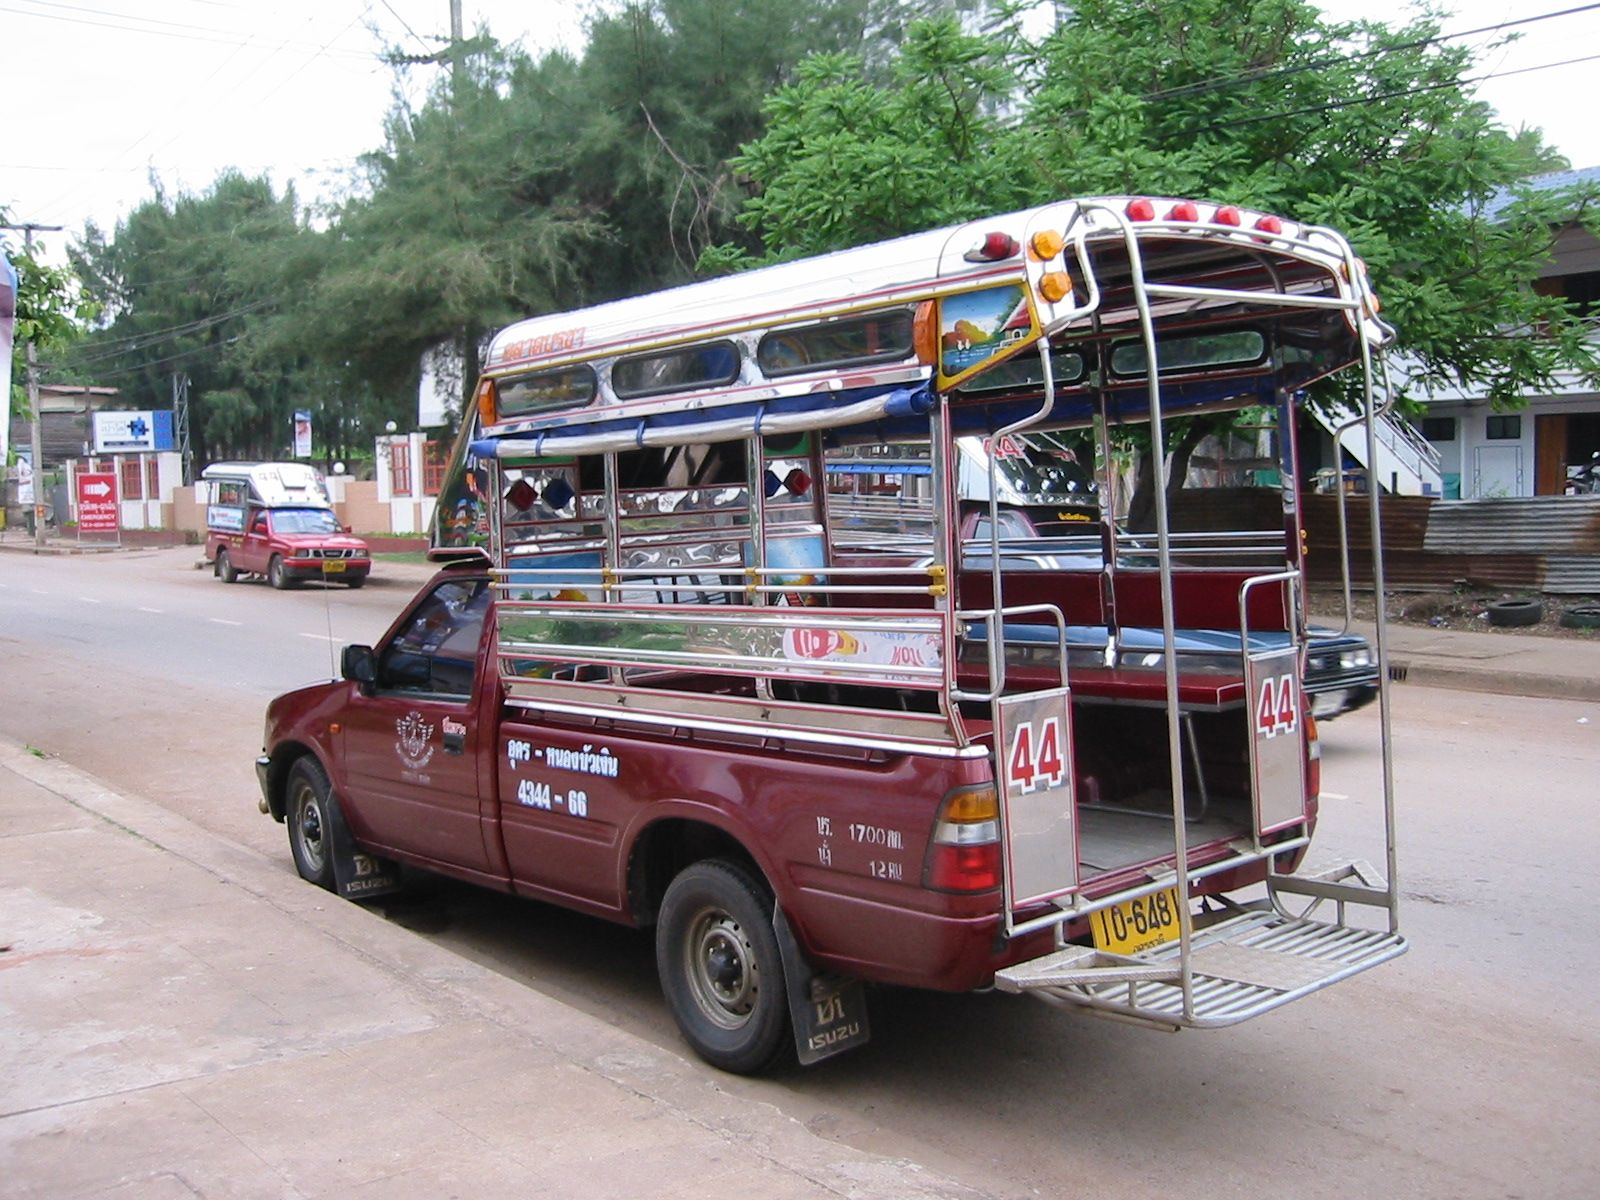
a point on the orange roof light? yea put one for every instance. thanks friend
(486, 413)
(925, 334)
(1055, 286)
(1046, 244)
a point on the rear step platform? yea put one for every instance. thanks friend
(1242, 967)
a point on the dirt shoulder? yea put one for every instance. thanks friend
(1469, 609)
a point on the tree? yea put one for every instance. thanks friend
(52, 308)
(1370, 129)
(187, 284)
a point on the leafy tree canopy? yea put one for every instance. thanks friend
(52, 310)
(1368, 128)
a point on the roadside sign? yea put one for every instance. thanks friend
(97, 503)
(132, 432)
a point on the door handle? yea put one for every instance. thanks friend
(455, 743)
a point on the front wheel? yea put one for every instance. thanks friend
(276, 575)
(225, 569)
(720, 968)
(306, 812)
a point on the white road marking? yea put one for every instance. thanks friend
(37, 592)
(142, 608)
(322, 637)
(222, 621)
(88, 599)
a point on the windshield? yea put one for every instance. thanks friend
(305, 520)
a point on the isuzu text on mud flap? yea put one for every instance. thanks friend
(726, 643)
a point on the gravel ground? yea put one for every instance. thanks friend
(1463, 608)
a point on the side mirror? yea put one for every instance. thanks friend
(359, 665)
(348, 529)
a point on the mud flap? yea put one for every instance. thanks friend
(357, 875)
(829, 1014)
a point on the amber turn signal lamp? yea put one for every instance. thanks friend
(486, 402)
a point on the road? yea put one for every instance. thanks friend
(1469, 1068)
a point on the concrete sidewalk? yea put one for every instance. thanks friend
(180, 1017)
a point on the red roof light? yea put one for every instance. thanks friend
(1269, 224)
(1141, 210)
(994, 248)
(1227, 215)
(1184, 210)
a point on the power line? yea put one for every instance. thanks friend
(201, 33)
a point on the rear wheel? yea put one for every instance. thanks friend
(720, 968)
(276, 575)
(225, 569)
(306, 809)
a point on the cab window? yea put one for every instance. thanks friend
(436, 651)
(258, 524)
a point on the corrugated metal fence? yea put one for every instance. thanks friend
(1529, 543)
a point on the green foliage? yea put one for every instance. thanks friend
(1370, 129)
(52, 308)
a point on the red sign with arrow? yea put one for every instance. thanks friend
(97, 503)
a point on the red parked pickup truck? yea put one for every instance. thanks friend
(275, 520)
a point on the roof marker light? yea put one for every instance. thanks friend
(1227, 215)
(995, 247)
(1140, 210)
(1269, 224)
(1046, 244)
(1184, 210)
(1055, 286)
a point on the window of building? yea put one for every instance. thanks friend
(1503, 427)
(1439, 429)
(132, 484)
(433, 464)
(152, 478)
(400, 467)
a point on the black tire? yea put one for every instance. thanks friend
(276, 575)
(1581, 616)
(720, 968)
(355, 581)
(308, 797)
(1515, 614)
(225, 570)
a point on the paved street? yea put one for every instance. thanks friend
(1467, 1068)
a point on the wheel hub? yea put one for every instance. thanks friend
(723, 974)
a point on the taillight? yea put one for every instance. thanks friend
(964, 852)
(1313, 759)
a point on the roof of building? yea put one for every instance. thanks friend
(1551, 181)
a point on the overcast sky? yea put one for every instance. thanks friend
(105, 94)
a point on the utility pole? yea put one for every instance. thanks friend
(39, 506)
(180, 421)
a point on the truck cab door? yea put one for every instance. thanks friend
(413, 748)
(256, 545)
